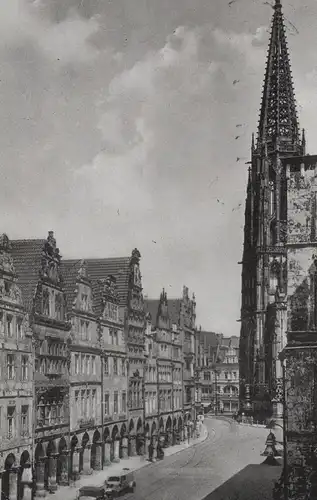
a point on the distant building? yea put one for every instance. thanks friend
(164, 359)
(218, 360)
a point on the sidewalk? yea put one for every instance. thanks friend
(133, 463)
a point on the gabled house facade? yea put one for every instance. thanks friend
(38, 264)
(85, 368)
(16, 382)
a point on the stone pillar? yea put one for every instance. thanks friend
(107, 460)
(98, 461)
(169, 438)
(64, 477)
(125, 447)
(86, 460)
(75, 463)
(154, 448)
(116, 450)
(0, 485)
(132, 445)
(40, 471)
(26, 483)
(52, 469)
(13, 484)
(147, 447)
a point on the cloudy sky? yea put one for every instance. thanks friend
(118, 130)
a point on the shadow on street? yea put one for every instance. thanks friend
(254, 482)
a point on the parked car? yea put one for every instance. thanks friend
(91, 493)
(121, 483)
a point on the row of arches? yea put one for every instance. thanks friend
(58, 461)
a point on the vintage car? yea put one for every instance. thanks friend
(119, 484)
(91, 492)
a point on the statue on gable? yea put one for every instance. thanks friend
(137, 275)
(50, 244)
(82, 271)
(15, 294)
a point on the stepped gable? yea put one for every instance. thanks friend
(73, 270)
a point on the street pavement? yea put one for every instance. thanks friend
(227, 466)
(225, 463)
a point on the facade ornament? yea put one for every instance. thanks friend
(82, 271)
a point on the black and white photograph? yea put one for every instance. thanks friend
(158, 250)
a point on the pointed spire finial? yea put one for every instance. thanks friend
(278, 123)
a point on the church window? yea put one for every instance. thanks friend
(274, 275)
(271, 198)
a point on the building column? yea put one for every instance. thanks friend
(147, 447)
(75, 466)
(86, 460)
(98, 461)
(40, 471)
(132, 445)
(64, 478)
(13, 483)
(154, 444)
(52, 469)
(107, 460)
(26, 482)
(0, 485)
(125, 447)
(117, 450)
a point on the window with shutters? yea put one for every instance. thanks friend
(11, 422)
(10, 366)
(106, 403)
(9, 326)
(24, 368)
(124, 402)
(115, 403)
(24, 420)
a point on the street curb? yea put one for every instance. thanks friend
(176, 452)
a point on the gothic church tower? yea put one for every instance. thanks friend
(263, 307)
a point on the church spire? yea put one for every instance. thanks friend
(278, 125)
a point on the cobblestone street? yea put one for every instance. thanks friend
(225, 466)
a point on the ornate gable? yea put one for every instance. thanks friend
(50, 261)
(162, 319)
(50, 298)
(9, 290)
(188, 308)
(109, 298)
(83, 299)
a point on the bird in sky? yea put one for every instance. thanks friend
(235, 82)
(237, 207)
(213, 181)
(118, 212)
(153, 241)
(237, 137)
(239, 125)
(231, 2)
(219, 201)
